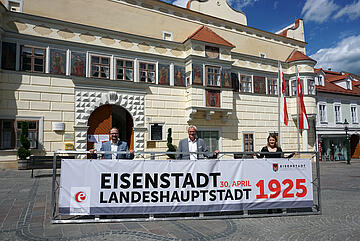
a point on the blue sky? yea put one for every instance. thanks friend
(332, 27)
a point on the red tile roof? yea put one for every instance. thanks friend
(331, 87)
(297, 55)
(205, 34)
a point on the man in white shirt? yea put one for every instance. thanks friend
(193, 144)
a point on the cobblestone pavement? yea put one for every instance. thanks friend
(25, 215)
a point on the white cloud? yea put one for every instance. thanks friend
(240, 4)
(352, 10)
(180, 3)
(318, 10)
(345, 56)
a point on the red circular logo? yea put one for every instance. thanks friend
(80, 197)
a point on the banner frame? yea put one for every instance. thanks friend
(56, 218)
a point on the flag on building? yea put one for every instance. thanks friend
(284, 118)
(303, 120)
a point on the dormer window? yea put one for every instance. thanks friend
(348, 84)
(14, 5)
(321, 80)
(212, 52)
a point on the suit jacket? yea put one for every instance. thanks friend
(122, 146)
(184, 147)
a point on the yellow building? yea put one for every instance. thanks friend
(73, 69)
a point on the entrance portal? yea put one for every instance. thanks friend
(103, 119)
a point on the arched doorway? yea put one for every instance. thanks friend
(103, 118)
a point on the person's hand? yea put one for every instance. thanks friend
(92, 151)
(216, 152)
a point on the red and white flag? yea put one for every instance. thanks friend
(303, 120)
(284, 118)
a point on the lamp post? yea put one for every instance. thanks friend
(346, 128)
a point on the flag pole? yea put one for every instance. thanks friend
(279, 89)
(297, 107)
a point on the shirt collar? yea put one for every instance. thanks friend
(195, 140)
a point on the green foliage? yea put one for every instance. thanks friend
(171, 147)
(23, 151)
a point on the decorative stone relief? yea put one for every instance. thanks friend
(87, 37)
(42, 30)
(107, 40)
(66, 34)
(86, 101)
(144, 46)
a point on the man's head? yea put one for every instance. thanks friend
(192, 132)
(114, 134)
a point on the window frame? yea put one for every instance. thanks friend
(124, 68)
(209, 129)
(39, 130)
(335, 113)
(213, 74)
(322, 111)
(269, 84)
(32, 58)
(147, 71)
(163, 130)
(249, 83)
(99, 65)
(309, 92)
(356, 119)
(253, 141)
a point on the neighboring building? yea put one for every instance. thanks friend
(75, 69)
(338, 99)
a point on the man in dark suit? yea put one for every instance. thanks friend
(114, 145)
(193, 144)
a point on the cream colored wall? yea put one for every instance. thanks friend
(219, 9)
(25, 95)
(149, 23)
(166, 105)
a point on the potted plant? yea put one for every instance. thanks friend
(171, 147)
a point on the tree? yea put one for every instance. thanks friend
(171, 147)
(23, 151)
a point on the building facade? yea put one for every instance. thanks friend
(145, 67)
(338, 100)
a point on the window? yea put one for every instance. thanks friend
(348, 84)
(245, 83)
(100, 67)
(147, 72)
(321, 80)
(124, 70)
(213, 76)
(32, 59)
(311, 87)
(235, 81)
(337, 108)
(8, 58)
(157, 132)
(167, 36)
(294, 87)
(272, 86)
(322, 112)
(354, 117)
(14, 5)
(248, 142)
(211, 139)
(262, 55)
(212, 52)
(11, 131)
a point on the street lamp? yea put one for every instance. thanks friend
(346, 127)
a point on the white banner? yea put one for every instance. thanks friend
(99, 187)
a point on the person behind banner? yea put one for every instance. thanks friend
(272, 149)
(193, 144)
(114, 145)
